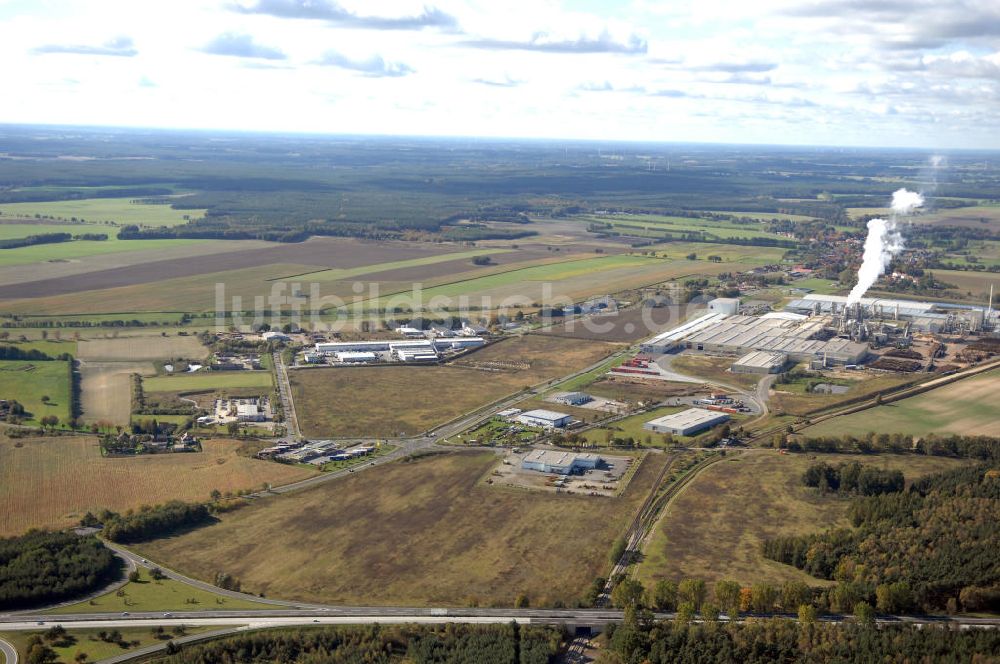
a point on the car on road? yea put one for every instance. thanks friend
(168, 615)
(124, 614)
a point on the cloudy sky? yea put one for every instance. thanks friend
(921, 73)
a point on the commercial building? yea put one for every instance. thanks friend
(559, 462)
(687, 422)
(572, 398)
(544, 418)
(760, 362)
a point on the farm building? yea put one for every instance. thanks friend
(725, 305)
(544, 418)
(572, 398)
(760, 362)
(687, 422)
(558, 462)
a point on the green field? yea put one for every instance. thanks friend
(118, 210)
(28, 382)
(713, 529)
(50, 347)
(631, 427)
(64, 251)
(821, 286)
(727, 252)
(765, 216)
(652, 225)
(207, 380)
(88, 641)
(966, 407)
(148, 594)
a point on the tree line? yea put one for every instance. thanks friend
(982, 448)
(377, 644)
(150, 522)
(42, 567)
(853, 478)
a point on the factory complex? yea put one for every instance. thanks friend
(389, 350)
(687, 422)
(820, 329)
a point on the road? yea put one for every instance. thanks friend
(285, 394)
(9, 653)
(756, 400)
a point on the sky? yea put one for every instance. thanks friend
(919, 73)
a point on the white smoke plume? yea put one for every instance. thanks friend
(883, 242)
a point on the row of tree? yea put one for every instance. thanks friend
(853, 478)
(375, 644)
(983, 448)
(150, 522)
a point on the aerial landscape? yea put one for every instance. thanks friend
(550, 332)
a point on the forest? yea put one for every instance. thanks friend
(43, 567)
(932, 547)
(807, 642)
(287, 188)
(375, 644)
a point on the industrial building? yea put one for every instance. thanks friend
(934, 317)
(801, 339)
(724, 305)
(572, 398)
(544, 418)
(687, 422)
(355, 357)
(400, 348)
(559, 462)
(670, 340)
(760, 362)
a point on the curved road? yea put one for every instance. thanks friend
(9, 653)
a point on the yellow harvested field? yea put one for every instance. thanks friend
(106, 389)
(52, 482)
(129, 349)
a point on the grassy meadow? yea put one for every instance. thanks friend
(427, 532)
(28, 382)
(118, 210)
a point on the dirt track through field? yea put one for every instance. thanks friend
(322, 252)
(106, 389)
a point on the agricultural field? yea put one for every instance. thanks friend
(729, 253)
(557, 283)
(29, 382)
(714, 528)
(136, 349)
(651, 225)
(106, 390)
(764, 216)
(52, 482)
(51, 347)
(427, 532)
(967, 281)
(188, 283)
(791, 398)
(986, 217)
(121, 211)
(407, 400)
(208, 380)
(627, 326)
(967, 407)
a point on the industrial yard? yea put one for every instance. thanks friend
(562, 471)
